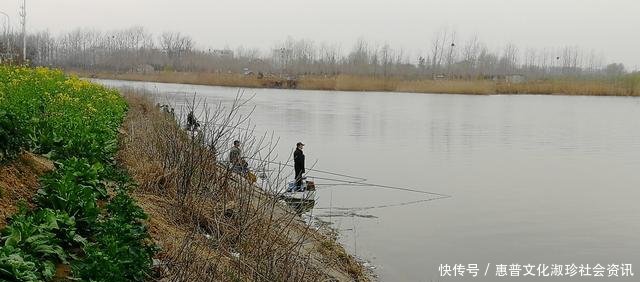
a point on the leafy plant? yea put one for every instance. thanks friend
(74, 122)
(35, 242)
(11, 137)
(14, 266)
(122, 250)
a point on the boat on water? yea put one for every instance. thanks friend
(301, 199)
(306, 192)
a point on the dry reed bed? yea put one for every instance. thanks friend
(210, 223)
(392, 84)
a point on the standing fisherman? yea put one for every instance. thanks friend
(298, 161)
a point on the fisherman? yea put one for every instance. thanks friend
(192, 122)
(298, 161)
(238, 164)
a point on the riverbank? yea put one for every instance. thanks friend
(624, 86)
(97, 187)
(212, 224)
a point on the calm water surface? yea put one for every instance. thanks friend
(534, 179)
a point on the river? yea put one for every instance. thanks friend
(540, 180)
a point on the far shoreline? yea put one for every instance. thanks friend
(558, 87)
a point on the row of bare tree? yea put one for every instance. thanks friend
(136, 49)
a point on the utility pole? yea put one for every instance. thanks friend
(23, 15)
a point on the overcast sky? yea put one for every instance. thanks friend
(608, 26)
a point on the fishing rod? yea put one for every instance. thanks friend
(380, 206)
(340, 182)
(230, 126)
(361, 182)
(360, 179)
(365, 184)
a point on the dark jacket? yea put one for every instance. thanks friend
(298, 160)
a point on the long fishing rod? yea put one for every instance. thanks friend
(365, 184)
(381, 206)
(360, 182)
(231, 126)
(340, 182)
(313, 169)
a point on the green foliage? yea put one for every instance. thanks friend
(35, 242)
(11, 137)
(122, 250)
(15, 265)
(74, 188)
(119, 176)
(125, 209)
(75, 123)
(47, 112)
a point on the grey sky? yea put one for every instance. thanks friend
(607, 26)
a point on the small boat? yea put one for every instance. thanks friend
(301, 199)
(307, 192)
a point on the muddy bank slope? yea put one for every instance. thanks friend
(19, 182)
(211, 224)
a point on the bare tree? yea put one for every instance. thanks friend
(135, 49)
(470, 53)
(175, 44)
(509, 59)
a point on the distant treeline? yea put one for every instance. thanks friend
(446, 56)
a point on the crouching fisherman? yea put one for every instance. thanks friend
(192, 122)
(238, 164)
